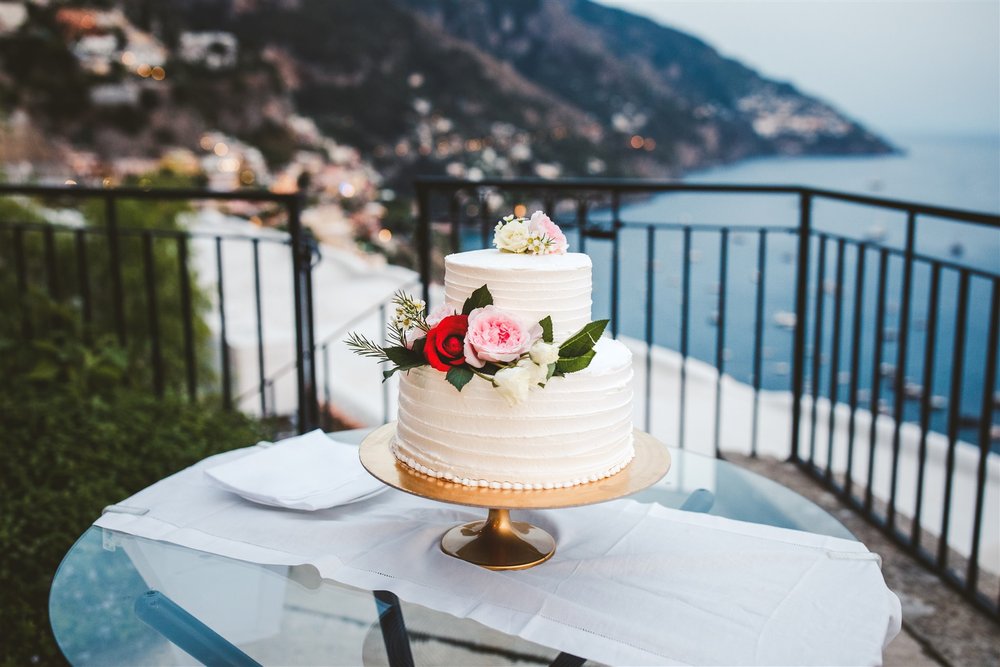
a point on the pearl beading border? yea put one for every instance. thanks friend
(516, 486)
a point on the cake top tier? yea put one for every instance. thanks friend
(508, 261)
(531, 286)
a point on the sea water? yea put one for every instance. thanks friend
(954, 172)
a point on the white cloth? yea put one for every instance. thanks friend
(630, 583)
(307, 472)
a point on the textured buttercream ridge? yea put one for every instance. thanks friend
(491, 258)
(508, 484)
(512, 435)
(410, 404)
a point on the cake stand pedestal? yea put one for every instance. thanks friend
(497, 542)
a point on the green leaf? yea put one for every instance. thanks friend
(459, 376)
(546, 325)
(44, 370)
(552, 370)
(490, 368)
(574, 364)
(418, 346)
(478, 299)
(583, 340)
(403, 358)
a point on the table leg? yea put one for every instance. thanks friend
(188, 633)
(390, 619)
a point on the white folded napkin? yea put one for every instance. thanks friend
(307, 472)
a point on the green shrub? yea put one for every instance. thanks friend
(68, 452)
(79, 425)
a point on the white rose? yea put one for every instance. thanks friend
(513, 384)
(512, 237)
(539, 374)
(543, 353)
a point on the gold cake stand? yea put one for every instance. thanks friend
(497, 542)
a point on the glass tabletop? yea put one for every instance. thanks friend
(122, 600)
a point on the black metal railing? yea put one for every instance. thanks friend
(858, 389)
(64, 245)
(780, 324)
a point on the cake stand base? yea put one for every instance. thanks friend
(499, 543)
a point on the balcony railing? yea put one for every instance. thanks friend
(842, 332)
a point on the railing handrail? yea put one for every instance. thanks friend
(284, 239)
(325, 342)
(83, 192)
(657, 185)
(439, 182)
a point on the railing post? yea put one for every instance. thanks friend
(304, 354)
(985, 426)
(616, 223)
(801, 293)
(424, 240)
(902, 347)
(115, 265)
(22, 283)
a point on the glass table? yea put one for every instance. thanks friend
(122, 600)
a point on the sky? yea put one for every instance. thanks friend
(899, 66)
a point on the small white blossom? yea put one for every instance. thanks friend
(536, 244)
(543, 353)
(539, 374)
(513, 384)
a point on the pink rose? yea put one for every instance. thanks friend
(542, 224)
(439, 313)
(497, 337)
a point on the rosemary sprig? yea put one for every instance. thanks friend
(365, 347)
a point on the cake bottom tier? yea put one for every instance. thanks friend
(577, 429)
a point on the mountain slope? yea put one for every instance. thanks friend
(494, 87)
(652, 80)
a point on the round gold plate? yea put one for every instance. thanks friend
(497, 543)
(651, 463)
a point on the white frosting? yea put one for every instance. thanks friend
(530, 286)
(576, 429)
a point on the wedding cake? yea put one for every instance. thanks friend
(509, 384)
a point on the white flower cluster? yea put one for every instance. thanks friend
(514, 382)
(514, 234)
(409, 313)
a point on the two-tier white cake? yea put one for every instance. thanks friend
(577, 429)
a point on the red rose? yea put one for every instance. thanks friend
(445, 344)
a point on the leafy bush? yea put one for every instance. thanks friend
(79, 424)
(75, 441)
(51, 302)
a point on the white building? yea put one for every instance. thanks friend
(95, 52)
(12, 16)
(214, 50)
(115, 94)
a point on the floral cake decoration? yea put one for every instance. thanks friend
(483, 340)
(536, 235)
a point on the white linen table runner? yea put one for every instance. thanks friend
(629, 584)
